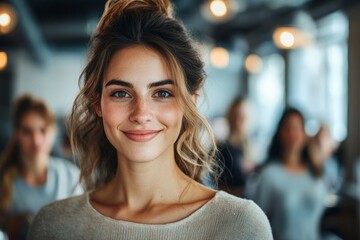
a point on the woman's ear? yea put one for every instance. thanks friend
(94, 97)
(97, 108)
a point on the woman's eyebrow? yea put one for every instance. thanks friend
(119, 82)
(161, 83)
(130, 85)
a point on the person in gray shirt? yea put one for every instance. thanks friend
(290, 188)
(139, 136)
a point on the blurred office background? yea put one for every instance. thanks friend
(277, 53)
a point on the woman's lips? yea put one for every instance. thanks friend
(141, 135)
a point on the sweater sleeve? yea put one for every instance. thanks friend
(244, 220)
(37, 229)
(258, 224)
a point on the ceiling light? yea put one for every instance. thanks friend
(3, 60)
(219, 11)
(253, 63)
(291, 37)
(299, 32)
(219, 57)
(218, 8)
(287, 39)
(7, 18)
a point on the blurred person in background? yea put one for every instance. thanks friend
(290, 188)
(29, 176)
(236, 155)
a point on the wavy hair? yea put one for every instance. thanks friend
(148, 23)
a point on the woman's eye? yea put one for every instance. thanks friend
(120, 94)
(163, 94)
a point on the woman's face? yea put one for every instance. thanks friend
(292, 133)
(241, 115)
(140, 113)
(35, 136)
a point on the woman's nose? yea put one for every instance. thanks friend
(37, 139)
(141, 113)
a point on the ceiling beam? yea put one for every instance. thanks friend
(32, 33)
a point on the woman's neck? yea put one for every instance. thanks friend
(34, 170)
(140, 185)
(154, 192)
(292, 162)
(237, 139)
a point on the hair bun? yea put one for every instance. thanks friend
(115, 8)
(164, 6)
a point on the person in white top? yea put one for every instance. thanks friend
(29, 176)
(137, 131)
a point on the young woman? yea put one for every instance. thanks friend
(137, 132)
(29, 177)
(291, 189)
(236, 154)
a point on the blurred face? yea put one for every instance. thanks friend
(292, 134)
(35, 136)
(241, 116)
(141, 116)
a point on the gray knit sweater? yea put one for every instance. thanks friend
(223, 217)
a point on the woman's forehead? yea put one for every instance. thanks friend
(138, 65)
(34, 116)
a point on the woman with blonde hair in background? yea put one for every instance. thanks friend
(29, 177)
(137, 132)
(236, 154)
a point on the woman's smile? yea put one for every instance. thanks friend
(141, 135)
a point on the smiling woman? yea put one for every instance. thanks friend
(142, 108)
(137, 131)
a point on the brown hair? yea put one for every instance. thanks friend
(10, 159)
(232, 113)
(148, 23)
(308, 156)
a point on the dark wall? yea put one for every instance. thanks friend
(6, 85)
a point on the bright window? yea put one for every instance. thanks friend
(318, 77)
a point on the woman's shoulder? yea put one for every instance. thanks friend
(64, 207)
(239, 207)
(64, 167)
(271, 168)
(58, 162)
(48, 219)
(244, 215)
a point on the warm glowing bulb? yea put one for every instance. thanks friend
(287, 39)
(5, 19)
(253, 63)
(219, 57)
(218, 8)
(3, 60)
